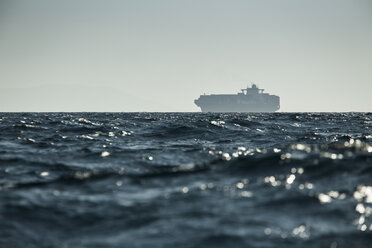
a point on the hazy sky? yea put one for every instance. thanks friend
(90, 55)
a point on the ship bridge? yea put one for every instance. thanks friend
(254, 90)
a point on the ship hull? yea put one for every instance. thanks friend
(238, 108)
(238, 103)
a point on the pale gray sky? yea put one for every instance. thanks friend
(91, 55)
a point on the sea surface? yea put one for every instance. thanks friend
(185, 180)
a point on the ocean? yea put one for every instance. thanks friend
(185, 180)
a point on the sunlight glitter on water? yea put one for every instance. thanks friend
(105, 154)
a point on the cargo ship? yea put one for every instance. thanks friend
(251, 99)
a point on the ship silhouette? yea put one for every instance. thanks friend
(249, 100)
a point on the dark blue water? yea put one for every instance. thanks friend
(185, 180)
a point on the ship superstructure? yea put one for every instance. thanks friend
(251, 99)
